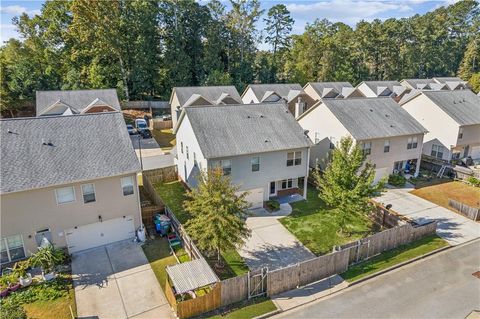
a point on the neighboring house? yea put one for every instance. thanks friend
(201, 95)
(452, 83)
(382, 88)
(296, 99)
(69, 179)
(452, 119)
(434, 84)
(76, 102)
(331, 90)
(260, 146)
(391, 138)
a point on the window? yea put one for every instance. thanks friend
(287, 183)
(181, 147)
(317, 137)
(412, 143)
(437, 151)
(386, 146)
(255, 161)
(398, 166)
(127, 185)
(65, 195)
(460, 133)
(294, 158)
(367, 148)
(12, 248)
(88, 192)
(332, 143)
(186, 151)
(194, 159)
(226, 167)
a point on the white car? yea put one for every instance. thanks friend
(141, 124)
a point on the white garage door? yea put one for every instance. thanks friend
(475, 152)
(255, 197)
(379, 173)
(101, 233)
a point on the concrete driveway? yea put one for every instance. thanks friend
(452, 227)
(272, 245)
(116, 281)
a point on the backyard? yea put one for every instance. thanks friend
(440, 193)
(173, 195)
(316, 225)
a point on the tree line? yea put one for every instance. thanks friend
(145, 47)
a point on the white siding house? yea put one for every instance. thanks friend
(391, 138)
(260, 146)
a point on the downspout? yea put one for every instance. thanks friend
(305, 182)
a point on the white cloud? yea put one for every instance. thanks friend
(18, 10)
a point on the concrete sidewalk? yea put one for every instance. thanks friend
(303, 295)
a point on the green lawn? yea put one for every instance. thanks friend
(316, 225)
(173, 195)
(165, 138)
(394, 257)
(249, 310)
(159, 257)
(58, 308)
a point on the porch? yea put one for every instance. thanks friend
(288, 190)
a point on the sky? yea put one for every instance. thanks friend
(302, 11)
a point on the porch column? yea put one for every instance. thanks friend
(417, 169)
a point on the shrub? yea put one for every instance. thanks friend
(397, 180)
(10, 310)
(48, 258)
(273, 205)
(473, 181)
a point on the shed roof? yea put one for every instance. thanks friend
(281, 90)
(83, 147)
(367, 118)
(230, 130)
(463, 106)
(210, 93)
(76, 99)
(191, 275)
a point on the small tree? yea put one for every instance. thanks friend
(347, 183)
(219, 214)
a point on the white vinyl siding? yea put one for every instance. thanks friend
(65, 195)
(127, 185)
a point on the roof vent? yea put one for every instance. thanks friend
(387, 115)
(261, 116)
(249, 117)
(266, 141)
(10, 131)
(391, 125)
(371, 110)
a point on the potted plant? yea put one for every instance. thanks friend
(47, 258)
(20, 269)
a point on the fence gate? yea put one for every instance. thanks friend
(257, 282)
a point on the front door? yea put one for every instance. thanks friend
(273, 188)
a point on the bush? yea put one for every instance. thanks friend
(47, 258)
(273, 205)
(12, 310)
(397, 180)
(473, 181)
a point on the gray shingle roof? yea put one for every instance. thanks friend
(85, 147)
(319, 87)
(231, 130)
(463, 106)
(418, 83)
(280, 89)
(78, 99)
(447, 79)
(369, 118)
(211, 93)
(377, 86)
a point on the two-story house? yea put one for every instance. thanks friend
(452, 119)
(260, 146)
(331, 90)
(389, 136)
(71, 179)
(68, 102)
(201, 95)
(292, 94)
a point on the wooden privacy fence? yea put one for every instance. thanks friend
(234, 289)
(161, 124)
(164, 174)
(467, 211)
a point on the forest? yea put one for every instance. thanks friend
(143, 48)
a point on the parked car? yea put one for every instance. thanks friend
(141, 124)
(131, 130)
(145, 133)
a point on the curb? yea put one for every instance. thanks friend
(269, 314)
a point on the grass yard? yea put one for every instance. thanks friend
(394, 257)
(439, 194)
(159, 257)
(173, 195)
(58, 308)
(250, 309)
(165, 138)
(316, 225)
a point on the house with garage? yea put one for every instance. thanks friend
(71, 179)
(331, 90)
(292, 94)
(390, 137)
(201, 95)
(452, 119)
(68, 102)
(391, 89)
(259, 146)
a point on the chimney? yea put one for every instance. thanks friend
(299, 107)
